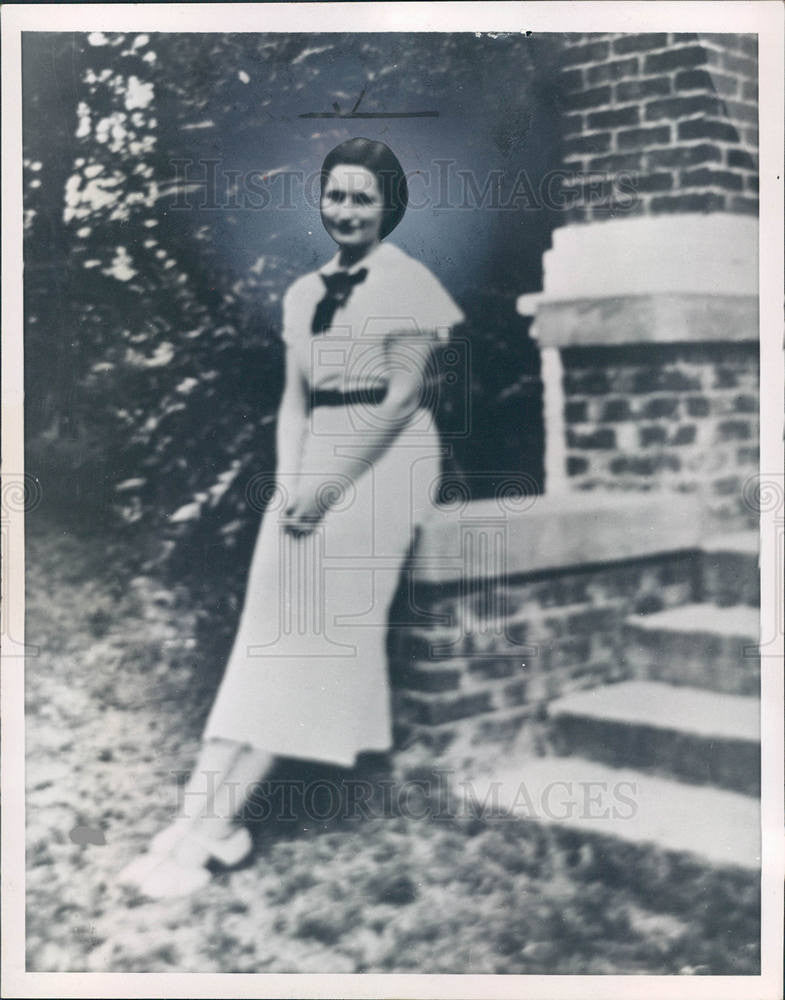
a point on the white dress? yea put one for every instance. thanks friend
(307, 675)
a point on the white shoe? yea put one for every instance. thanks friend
(187, 849)
(162, 844)
(171, 835)
(229, 850)
(170, 880)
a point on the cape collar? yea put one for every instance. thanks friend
(370, 260)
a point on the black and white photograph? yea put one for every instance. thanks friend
(393, 499)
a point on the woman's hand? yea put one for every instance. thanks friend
(310, 503)
(304, 513)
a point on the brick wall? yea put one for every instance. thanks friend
(507, 647)
(659, 122)
(679, 416)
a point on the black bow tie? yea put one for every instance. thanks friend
(338, 289)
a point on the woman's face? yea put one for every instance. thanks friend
(352, 206)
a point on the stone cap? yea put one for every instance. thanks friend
(664, 318)
(681, 254)
(487, 538)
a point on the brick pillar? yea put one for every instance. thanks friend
(648, 316)
(659, 124)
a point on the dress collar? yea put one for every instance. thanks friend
(369, 260)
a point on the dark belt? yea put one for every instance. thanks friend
(371, 396)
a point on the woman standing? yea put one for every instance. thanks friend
(358, 461)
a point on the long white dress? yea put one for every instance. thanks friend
(307, 675)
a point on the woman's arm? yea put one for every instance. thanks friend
(402, 399)
(292, 421)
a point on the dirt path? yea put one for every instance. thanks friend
(113, 710)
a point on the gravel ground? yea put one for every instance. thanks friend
(115, 701)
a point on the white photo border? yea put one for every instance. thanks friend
(757, 17)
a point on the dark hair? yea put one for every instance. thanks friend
(384, 165)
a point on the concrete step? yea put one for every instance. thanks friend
(695, 735)
(677, 828)
(699, 645)
(729, 569)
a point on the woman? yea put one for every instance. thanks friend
(358, 460)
